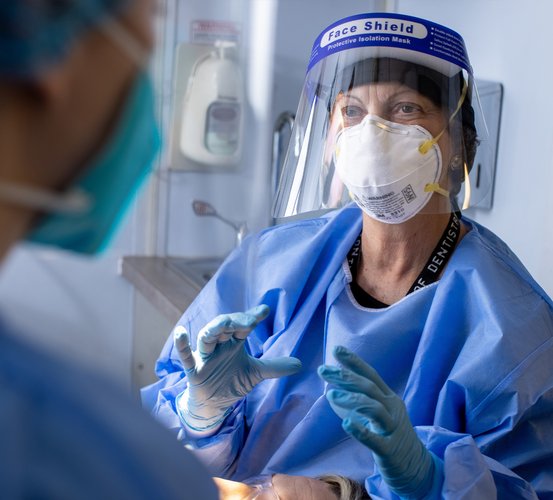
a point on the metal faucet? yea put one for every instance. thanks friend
(203, 208)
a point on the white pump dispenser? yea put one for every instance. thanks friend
(211, 130)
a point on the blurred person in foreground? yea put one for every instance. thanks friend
(77, 137)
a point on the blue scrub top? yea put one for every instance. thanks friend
(470, 355)
(66, 433)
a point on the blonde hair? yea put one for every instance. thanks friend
(345, 488)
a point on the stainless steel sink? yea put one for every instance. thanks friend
(198, 271)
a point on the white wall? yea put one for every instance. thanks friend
(508, 42)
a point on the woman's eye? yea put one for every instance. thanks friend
(352, 114)
(407, 109)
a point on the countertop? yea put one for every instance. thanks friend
(169, 283)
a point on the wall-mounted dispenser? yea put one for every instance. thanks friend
(212, 109)
(491, 98)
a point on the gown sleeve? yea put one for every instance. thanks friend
(461, 472)
(300, 252)
(510, 439)
(226, 292)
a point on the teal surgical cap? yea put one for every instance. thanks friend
(35, 34)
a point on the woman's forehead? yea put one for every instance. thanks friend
(381, 91)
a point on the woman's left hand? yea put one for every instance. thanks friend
(374, 415)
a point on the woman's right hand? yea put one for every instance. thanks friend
(220, 372)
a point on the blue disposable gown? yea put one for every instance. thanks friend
(66, 433)
(470, 355)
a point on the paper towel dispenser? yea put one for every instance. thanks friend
(491, 97)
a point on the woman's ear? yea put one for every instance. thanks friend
(456, 163)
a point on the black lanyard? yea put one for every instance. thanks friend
(439, 256)
(435, 264)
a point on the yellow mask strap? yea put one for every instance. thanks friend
(434, 187)
(426, 145)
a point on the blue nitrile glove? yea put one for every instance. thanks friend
(374, 415)
(220, 372)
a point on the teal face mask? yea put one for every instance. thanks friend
(111, 181)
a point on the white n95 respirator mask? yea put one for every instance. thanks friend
(386, 168)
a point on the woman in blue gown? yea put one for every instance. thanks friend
(424, 343)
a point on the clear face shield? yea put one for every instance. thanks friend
(387, 118)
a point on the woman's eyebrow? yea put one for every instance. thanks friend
(403, 91)
(392, 95)
(350, 96)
